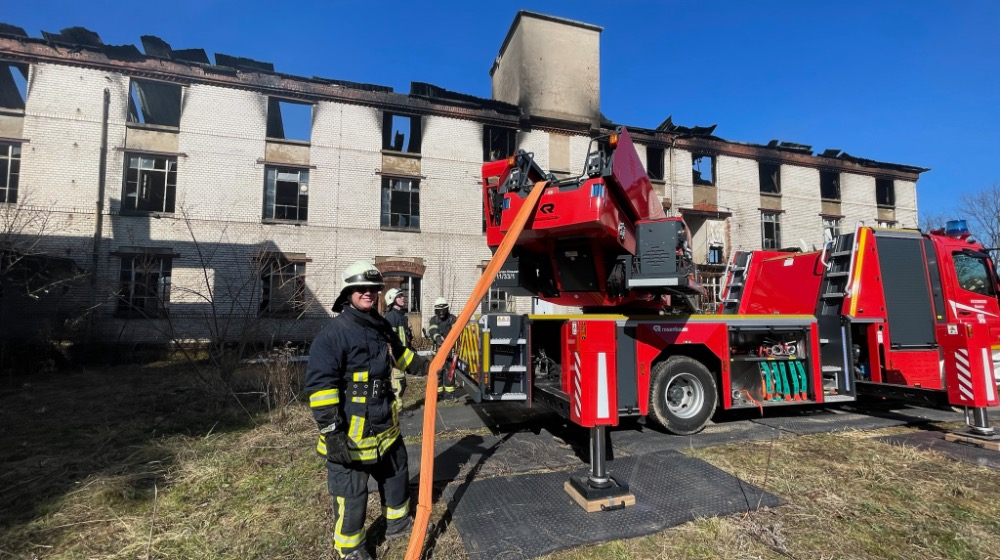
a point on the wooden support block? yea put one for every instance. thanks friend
(992, 444)
(590, 506)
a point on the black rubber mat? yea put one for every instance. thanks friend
(956, 450)
(491, 456)
(449, 418)
(830, 421)
(646, 439)
(526, 516)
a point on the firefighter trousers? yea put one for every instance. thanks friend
(446, 378)
(348, 485)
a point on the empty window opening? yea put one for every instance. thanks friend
(400, 203)
(289, 120)
(885, 192)
(770, 177)
(144, 282)
(829, 185)
(496, 300)
(831, 229)
(401, 133)
(283, 287)
(286, 194)
(13, 85)
(150, 183)
(498, 142)
(885, 224)
(770, 230)
(410, 285)
(703, 170)
(10, 170)
(654, 163)
(156, 103)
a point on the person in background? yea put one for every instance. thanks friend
(440, 325)
(395, 314)
(348, 382)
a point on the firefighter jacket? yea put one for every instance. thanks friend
(397, 320)
(348, 382)
(441, 327)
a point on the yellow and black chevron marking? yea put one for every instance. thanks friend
(469, 351)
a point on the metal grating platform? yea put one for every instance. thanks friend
(527, 516)
(935, 441)
(635, 442)
(828, 421)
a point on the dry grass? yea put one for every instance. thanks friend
(138, 462)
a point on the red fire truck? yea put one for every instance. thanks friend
(890, 312)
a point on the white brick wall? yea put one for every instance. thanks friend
(217, 225)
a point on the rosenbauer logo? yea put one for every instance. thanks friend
(662, 329)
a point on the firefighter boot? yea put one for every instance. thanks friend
(400, 530)
(359, 554)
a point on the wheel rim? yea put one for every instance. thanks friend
(685, 396)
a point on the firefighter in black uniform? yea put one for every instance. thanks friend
(395, 314)
(348, 382)
(441, 324)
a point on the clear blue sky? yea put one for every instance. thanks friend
(910, 82)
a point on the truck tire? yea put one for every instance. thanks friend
(684, 395)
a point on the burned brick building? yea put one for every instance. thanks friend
(221, 199)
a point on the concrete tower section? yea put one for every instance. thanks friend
(551, 68)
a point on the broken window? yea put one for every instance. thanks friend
(400, 203)
(286, 194)
(703, 170)
(831, 229)
(654, 163)
(10, 170)
(410, 285)
(144, 285)
(289, 120)
(770, 230)
(498, 142)
(283, 286)
(885, 224)
(150, 183)
(401, 133)
(496, 300)
(885, 192)
(770, 177)
(13, 85)
(156, 103)
(829, 185)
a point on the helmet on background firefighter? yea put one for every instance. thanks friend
(391, 295)
(361, 273)
(441, 308)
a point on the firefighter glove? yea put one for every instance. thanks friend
(418, 365)
(337, 450)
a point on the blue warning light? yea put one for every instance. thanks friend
(955, 227)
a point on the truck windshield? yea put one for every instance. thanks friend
(973, 274)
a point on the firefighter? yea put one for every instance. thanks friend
(395, 314)
(348, 382)
(441, 324)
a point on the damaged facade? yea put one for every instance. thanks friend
(215, 200)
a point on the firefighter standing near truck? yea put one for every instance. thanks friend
(441, 324)
(348, 382)
(395, 314)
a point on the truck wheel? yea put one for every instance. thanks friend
(684, 395)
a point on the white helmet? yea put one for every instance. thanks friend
(392, 294)
(361, 273)
(440, 303)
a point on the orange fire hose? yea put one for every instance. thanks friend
(419, 534)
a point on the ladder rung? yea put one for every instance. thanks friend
(836, 254)
(837, 274)
(832, 369)
(824, 341)
(832, 295)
